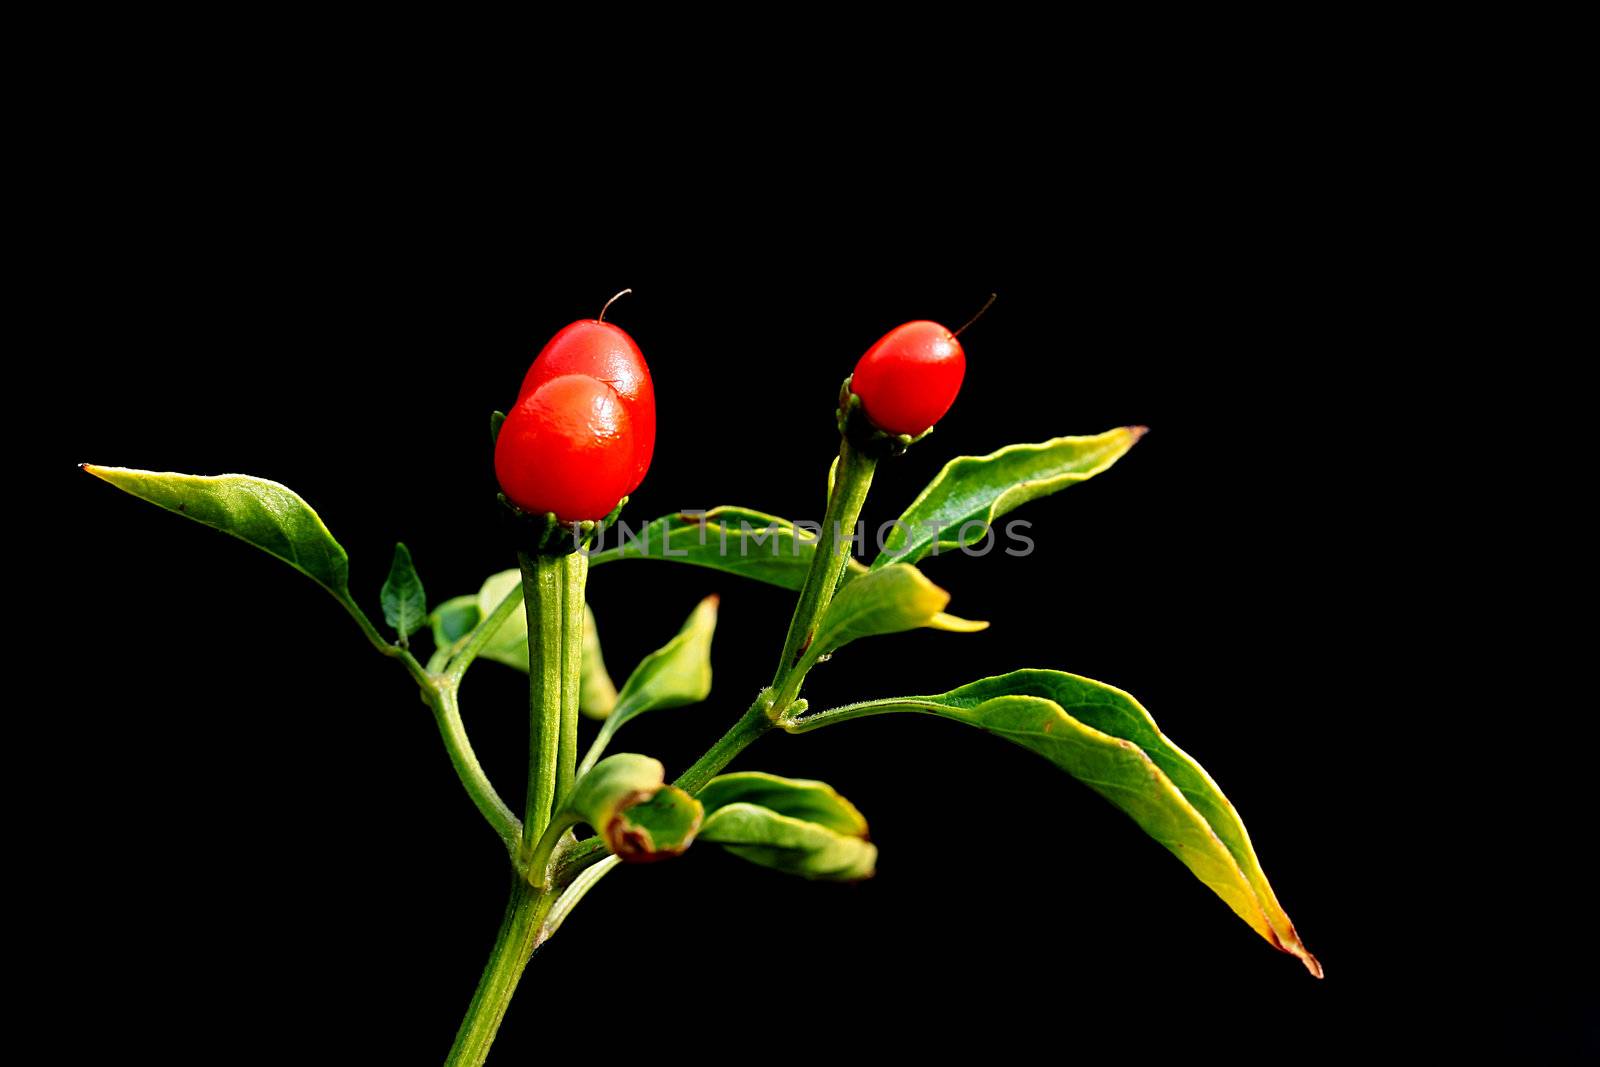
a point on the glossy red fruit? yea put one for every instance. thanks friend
(601, 350)
(567, 447)
(909, 379)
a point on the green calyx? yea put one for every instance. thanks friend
(867, 438)
(546, 535)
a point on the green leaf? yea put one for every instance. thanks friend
(793, 846)
(405, 605)
(798, 798)
(882, 602)
(739, 541)
(1108, 741)
(979, 489)
(750, 544)
(454, 619)
(597, 694)
(789, 824)
(265, 514)
(676, 674)
(497, 419)
(626, 800)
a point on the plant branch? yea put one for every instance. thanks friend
(447, 712)
(851, 480)
(521, 931)
(481, 635)
(393, 651)
(756, 721)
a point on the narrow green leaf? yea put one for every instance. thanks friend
(798, 798)
(265, 514)
(597, 694)
(454, 619)
(882, 602)
(405, 605)
(676, 674)
(497, 419)
(750, 544)
(1107, 740)
(979, 489)
(793, 846)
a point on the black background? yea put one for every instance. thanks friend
(284, 847)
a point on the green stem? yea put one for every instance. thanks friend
(521, 931)
(755, 722)
(542, 588)
(578, 858)
(447, 712)
(552, 593)
(860, 710)
(481, 635)
(851, 480)
(370, 632)
(538, 863)
(575, 574)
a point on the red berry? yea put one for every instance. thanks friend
(909, 379)
(601, 350)
(567, 447)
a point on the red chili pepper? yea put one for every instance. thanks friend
(600, 350)
(583, 430)
(909, 379)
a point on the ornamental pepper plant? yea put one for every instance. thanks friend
(580, 438)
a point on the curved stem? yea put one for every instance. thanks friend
(481, 634)
(447, 712)
(538, 862)
(597, 747)
(852, 478)
(860, 710)
(521, 931)
(370, 632)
